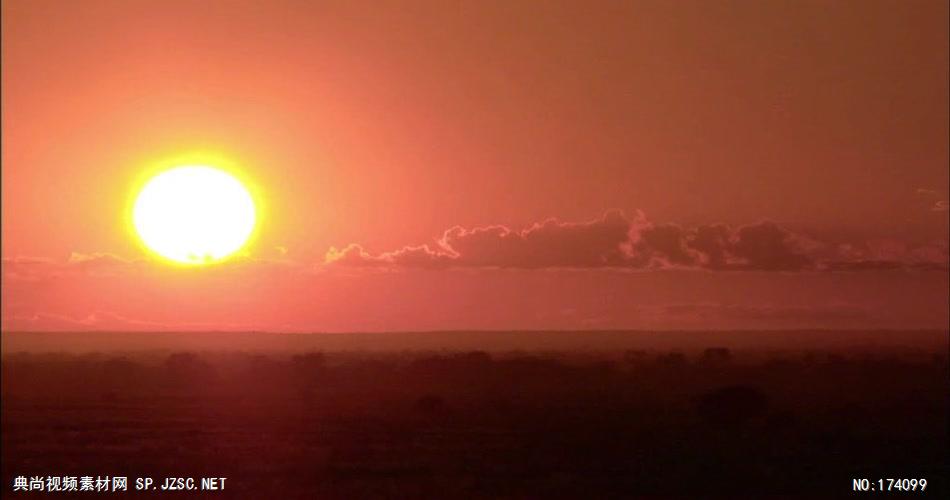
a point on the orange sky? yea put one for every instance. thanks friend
(386, 125)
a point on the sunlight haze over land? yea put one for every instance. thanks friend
(494, 165)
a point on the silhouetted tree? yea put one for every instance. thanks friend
(634, 356)
(672, 360)
(431, 405)
(716, 355)
(733, 405)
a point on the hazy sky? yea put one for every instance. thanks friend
(709, 164)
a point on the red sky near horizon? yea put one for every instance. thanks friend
(496, 165)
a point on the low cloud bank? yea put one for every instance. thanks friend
(618, 241)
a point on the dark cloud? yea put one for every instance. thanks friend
(664, 246)
(99, 321)
(354, 255)
(44, 272)
(420, 257)
(616, 241)
(764, 246)
(598, 243)
(771, 313)
(863, 265)
(27, 269)
(769, 247)
(712, 243)
(884, 254)
(99, 263)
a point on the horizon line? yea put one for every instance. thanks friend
(464, 330)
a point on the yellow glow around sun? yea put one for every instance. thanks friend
(194, 214)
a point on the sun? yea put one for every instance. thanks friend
(194, 215)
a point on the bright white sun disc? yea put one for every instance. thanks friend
(194, 214)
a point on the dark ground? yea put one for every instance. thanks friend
(626, 423)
